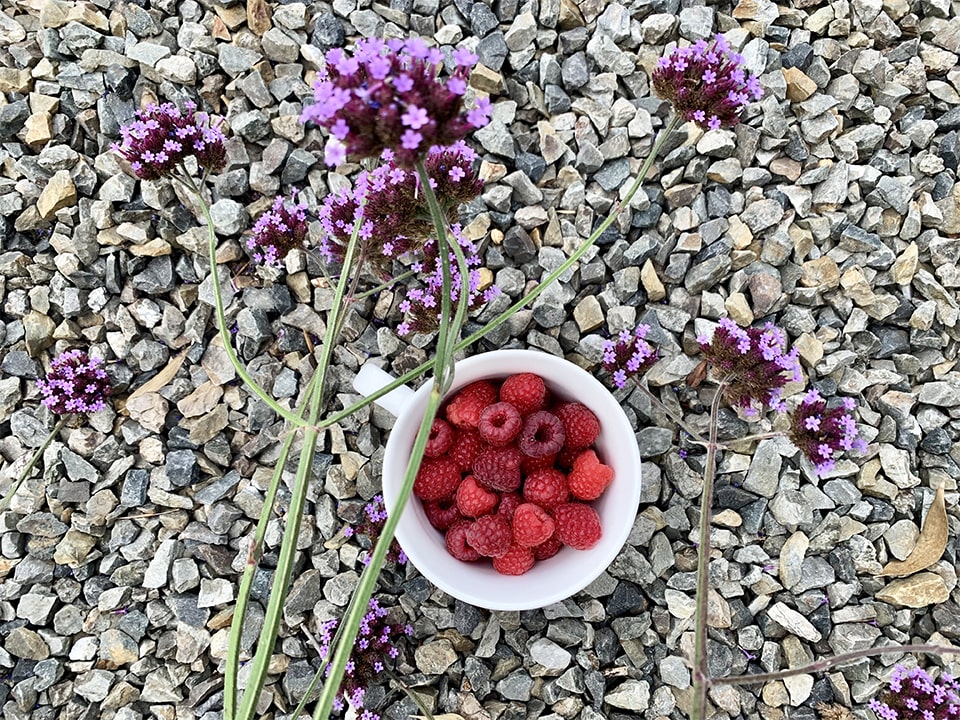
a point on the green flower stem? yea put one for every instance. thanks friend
(701, 679)
(8, 497)
(676, 417)
(288, 548)
(248, 380)
(358, 606)
(526, 299)
(830, 662)
(758, 436)
(443, 376)
(382, 286)
(246, 580)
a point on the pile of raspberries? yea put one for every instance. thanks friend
(509, 472)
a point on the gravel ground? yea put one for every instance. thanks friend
(833, 210)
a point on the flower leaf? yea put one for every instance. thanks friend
(930, 545)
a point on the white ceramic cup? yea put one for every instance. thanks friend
(549, 581)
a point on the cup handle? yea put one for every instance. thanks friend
(371, 378)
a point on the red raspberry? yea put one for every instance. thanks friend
(473, 500)
(542, 434)
(526, 392)
(530, 464)
(516, 561)
(441, 514)
(509, 502)
(490, 535)
(546, 550)
(466, 445)
(532, 525)
(580, 425)
(440, 440)
(566, 457)
(438, 479)
(499, 423)
(456, 542)
(589, 477)
(578, 525)
(465, 407)
(547, 488)
(498, 468)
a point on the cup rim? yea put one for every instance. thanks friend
(475, 583)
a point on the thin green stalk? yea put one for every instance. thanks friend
(443, 376)
(288, 548)
(410, 694)
(368, 579)
(383, 286)
(526, 299)
(246, 580)
(827, 663)
(8, 497)
(758, 436)
(701, 679)
(221, 316)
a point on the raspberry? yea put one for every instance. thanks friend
(580, 425)
(516, 561)
(546, 550)
(456, 542)
(566, 457)
(526, 392)
(542, 434)
(578, 525)
(509, 502)
(441, 514)
(530, 464)
(498, 468)
(547, 488)
(499, 423)
(532, 525)
(490, 535)
(589, 477)
(465, 407)
(440, 440)
(466, 445)
(438, 479)
(473, 500)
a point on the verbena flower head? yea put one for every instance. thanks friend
(377, 647)
(914, 695)
(823, 434)
(369, 527)
(278, 231)
(388, 94)
(76, 383)
(706, 83)
(421, 306)
(753, 362)
(628, 355)
(395, 218)
(161, 137)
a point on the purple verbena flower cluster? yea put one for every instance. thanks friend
(630, 354)
(914, 695)
(388, 95)
(421, 306)
(161, 137)
(278, 231)
(374, 651)
(76, 383)
(753, 363)
(822, 434)
(369, 528)
(392, 208)
(706, 84)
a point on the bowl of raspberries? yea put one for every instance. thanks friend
(530, 482)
